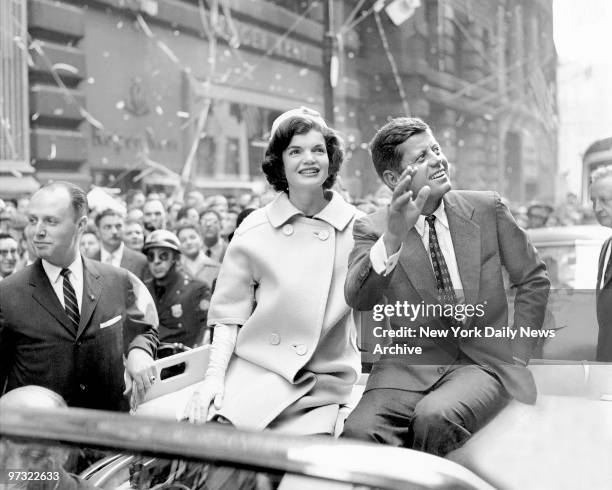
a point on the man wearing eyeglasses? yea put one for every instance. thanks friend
(601, 197)
(182, 303)
(9, 255)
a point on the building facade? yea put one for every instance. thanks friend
(183, 92)
(482, 74)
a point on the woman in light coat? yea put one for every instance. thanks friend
(284, 354)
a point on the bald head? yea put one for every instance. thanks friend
(32, 397)
(24, 453)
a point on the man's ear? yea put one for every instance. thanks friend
(82, 224)
(390, 178)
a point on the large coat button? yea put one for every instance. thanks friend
(440, 370)
(288, 230)
(323, 235)
(274, 339)
(300, 349)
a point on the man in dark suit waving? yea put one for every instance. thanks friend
(71, 324)
(432, 262)
(601, 197)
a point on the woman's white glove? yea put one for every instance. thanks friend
(198, 408)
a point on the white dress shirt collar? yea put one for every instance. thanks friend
(113, 258)
(76, 278)
(439, 213)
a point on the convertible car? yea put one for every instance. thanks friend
(564, 441)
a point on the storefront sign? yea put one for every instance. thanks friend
(269, 42)
(129, 143)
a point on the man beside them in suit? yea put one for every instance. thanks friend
(601, 197)
(112, 249)
(435, 248)
(72, 324)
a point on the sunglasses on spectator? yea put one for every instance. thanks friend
(161, 255)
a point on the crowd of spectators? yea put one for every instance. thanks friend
(205, 224)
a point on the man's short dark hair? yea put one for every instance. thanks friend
(383, 146)
(4, 236)
(104, 213)
(272, 165)
(182, 213)
(78, 198)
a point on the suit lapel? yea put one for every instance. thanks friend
(92, 289)
(44, 294)
(602, 255)
(415, 262)
(603, 269)
(602, 265)
(465, 234)
(126, 259)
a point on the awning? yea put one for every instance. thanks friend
(11, 186)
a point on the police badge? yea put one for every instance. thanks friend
(176, 310)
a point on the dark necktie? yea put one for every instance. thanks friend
(446, 292)
(607, 271)
(208, 252)
(159, 291)
(70, 301)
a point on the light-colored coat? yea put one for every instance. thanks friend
(202, 268)
(282, 279)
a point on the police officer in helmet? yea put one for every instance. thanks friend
(182, 303)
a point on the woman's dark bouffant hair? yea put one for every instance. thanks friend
(272, 165)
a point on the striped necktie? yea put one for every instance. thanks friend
(70, 301)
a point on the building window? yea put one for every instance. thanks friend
(233, 141)
(14, 124)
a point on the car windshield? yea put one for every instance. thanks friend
(138, 452)
(560, 263)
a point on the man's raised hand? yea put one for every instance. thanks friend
(403, 210)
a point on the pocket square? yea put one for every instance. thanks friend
(110, 322)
